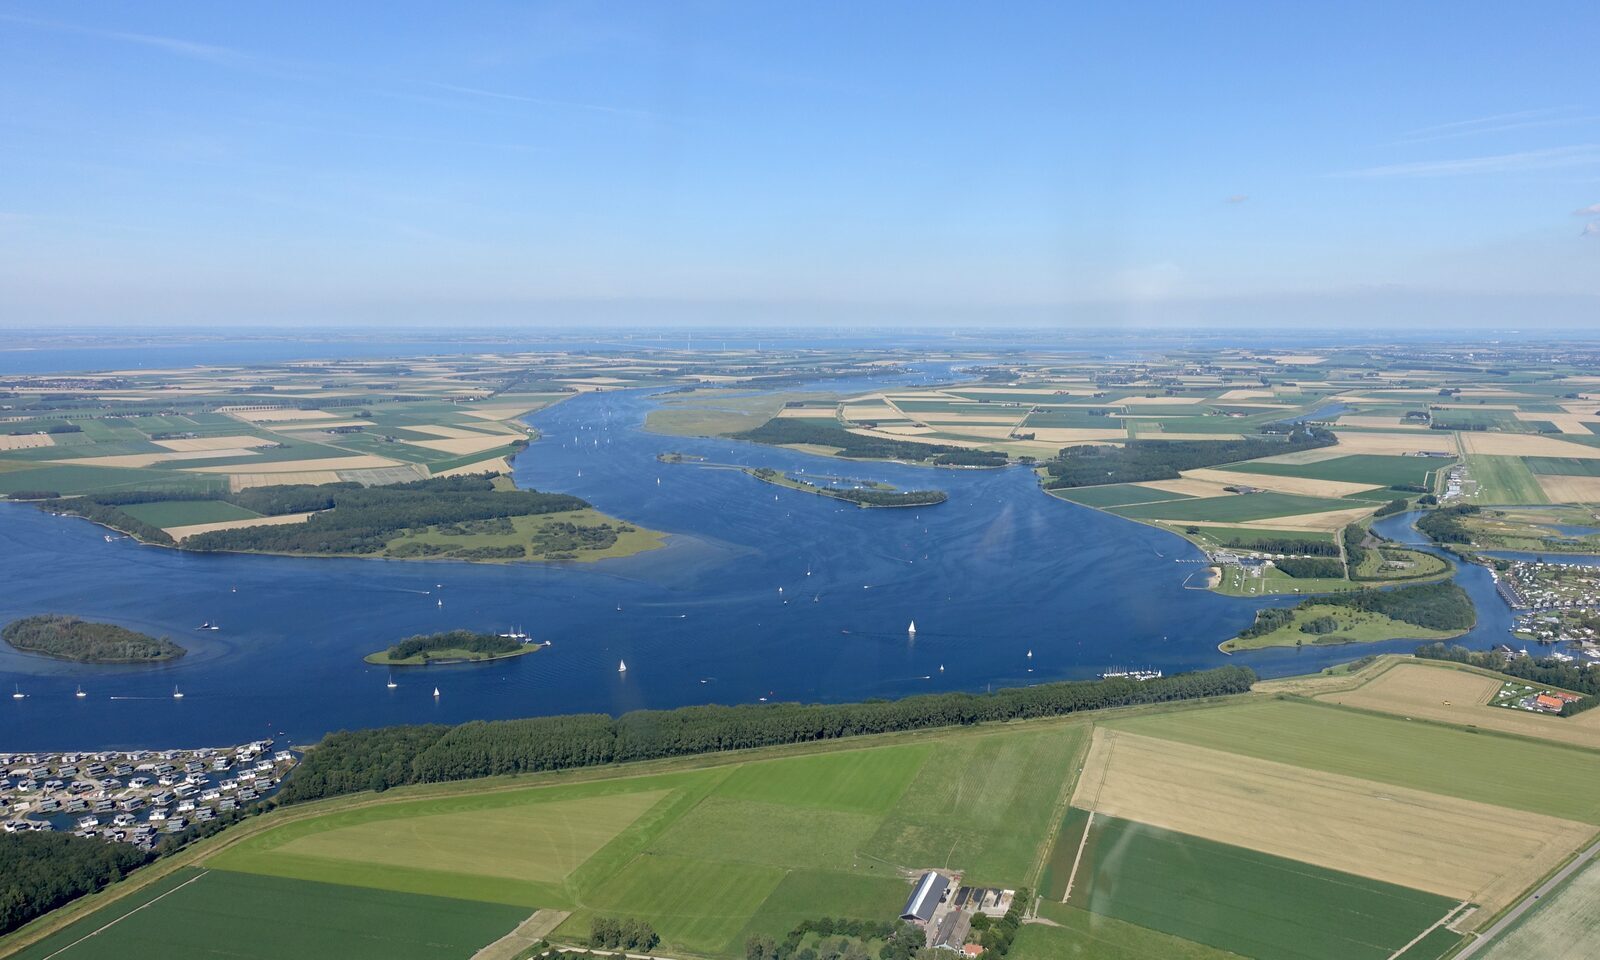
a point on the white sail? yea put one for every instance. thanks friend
(622, 666)
(912, 629)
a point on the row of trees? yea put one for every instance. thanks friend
(1139, 460)
(1315, 548)
(1302, 568)
(350, 761)
(1444, 524)
(42, 871)
(1545, 671)
(902, 941)
(612, 933)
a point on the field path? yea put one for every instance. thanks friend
(527, 933)
(1526, 903)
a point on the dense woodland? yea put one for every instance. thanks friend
(1315, 548)
(1437, 606)
(354, 519)
(1543, 671)
(42, 871)
(466, 640)
(351, 761)
(1311, 567)
(829, 433)
(1139, 460)
(68, 638)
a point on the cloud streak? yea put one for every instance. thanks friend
(1497, 123)
(1554, 158)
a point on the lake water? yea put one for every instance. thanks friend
(761, 592)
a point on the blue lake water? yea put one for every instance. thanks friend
(761, 592)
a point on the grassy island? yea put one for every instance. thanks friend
(1429, 611)
(452, 646)
(68, 638)
(873, 495)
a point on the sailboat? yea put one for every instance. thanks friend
(176, 693)
(80, 693)
(912, 629)
(18, 694)
(391, 684)
(622, 666)
(435, 693)
(1030, 654)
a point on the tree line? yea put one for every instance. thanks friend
(69, 638)
(453, 640)
(40, 871)
(1437, 606)
(1302, 568)
(1139, 460)
(1444, 524)
(376, 759)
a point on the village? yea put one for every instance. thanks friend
(135, 796)
(1556, 604)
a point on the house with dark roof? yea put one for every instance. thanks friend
(925, 898)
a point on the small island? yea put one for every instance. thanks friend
(869, 494)
(453, 646)
(63, 637)
(1430, 611)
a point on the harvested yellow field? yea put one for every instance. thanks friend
(140, 460)
(1072, 434)
(1455, 848)
(1193, 488)
(1327, 522)
(1314, 455)
(1525, 445)
(462, 446)
(1160, 401)
(495, 465)
(178, 533)
(1305, 486)
(871, 411)
(363, 461)
(1457, 696)
(26, 441)
(1570, 489)
(886, 435)
(1298, 358)
(977, 419)
(1395, 443)
(908, 430)
(244, 481)
(276, 416)
(505, 411)
(1565, 422)
(1245, 395)
(236, 442)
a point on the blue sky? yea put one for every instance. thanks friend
(831, 162)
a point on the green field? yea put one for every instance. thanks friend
(67, 479)
(1250, 903)
(1562, 466)
(708, 855)
(236, 916)
(1504, 480)
(1233, 508)
(1357, 468)
(1117, 495)
(1564, 926)
(1081, 935)
(178, 513)
(1479, 766)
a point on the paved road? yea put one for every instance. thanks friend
(1529, 902)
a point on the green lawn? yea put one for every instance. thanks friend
(1562, 466)
(1233, 508)
(178, 513)
(1472, 765)
(237, 916)
(1504, 480)
(1253, 904)
(860, 781)
(810, 894)
(1357, 468)
(696, 906)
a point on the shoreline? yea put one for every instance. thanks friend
(380, 659)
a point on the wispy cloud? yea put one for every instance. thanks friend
(1578, 155)
(1238, 198)
(1591, 229)
(1499, 123)
(1592, 210)
(189, 49)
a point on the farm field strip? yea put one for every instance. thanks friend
(1452, 848)
(1435, 759)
